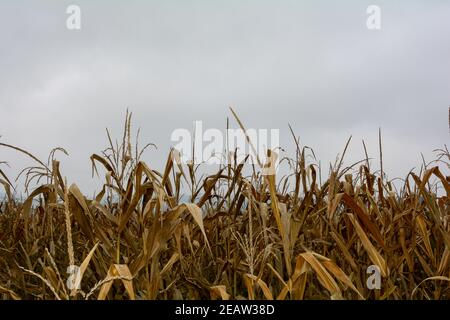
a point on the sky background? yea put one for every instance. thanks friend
(313, 65)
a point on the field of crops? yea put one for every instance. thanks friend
(174, 234)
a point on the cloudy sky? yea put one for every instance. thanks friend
(314, 65)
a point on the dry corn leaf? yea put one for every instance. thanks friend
(322, 274)
(219, 291)
(122, 272)
(265, 289)
(373, 253)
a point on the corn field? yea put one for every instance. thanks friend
(233, 236)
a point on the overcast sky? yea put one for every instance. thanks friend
(312, 64)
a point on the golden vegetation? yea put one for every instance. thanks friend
(236, 237)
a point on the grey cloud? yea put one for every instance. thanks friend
(311, 64)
